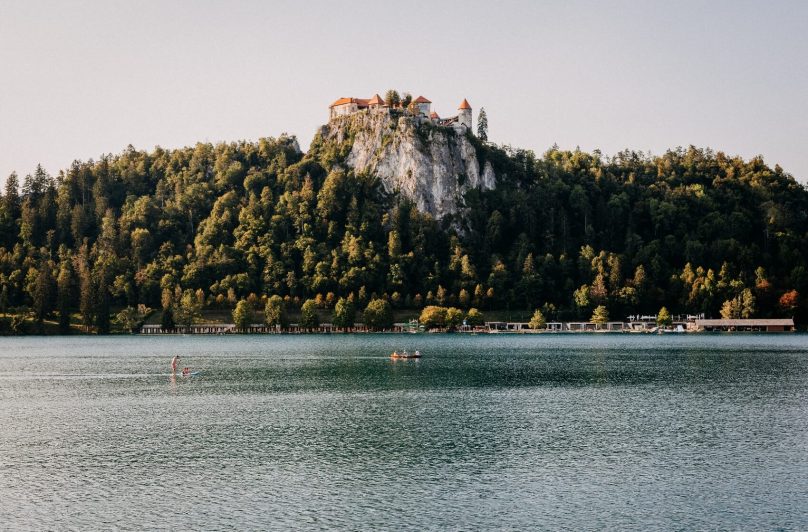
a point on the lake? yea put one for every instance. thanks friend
(491, 431)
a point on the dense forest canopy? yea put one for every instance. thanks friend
(693, 230)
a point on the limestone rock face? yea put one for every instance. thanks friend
(432, 166)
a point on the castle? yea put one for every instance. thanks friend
(419, 107)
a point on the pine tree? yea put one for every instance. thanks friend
(747, 303)
(64, 287)
(102, 303)
(600, 316)
(4, 299)
(86, 295)
(43, 291)
(391, 98)
(482, 125)
(9, 212)
(537, 321)
(11, 197)
(664, 318)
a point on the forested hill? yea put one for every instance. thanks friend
(691, 230)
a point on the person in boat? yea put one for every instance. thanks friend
(174, 362)
(417, 353)
(186, 371)
(395, 354)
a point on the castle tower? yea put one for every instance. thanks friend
(377, 102)
(422, 105)
(464, 114)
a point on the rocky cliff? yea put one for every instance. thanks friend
(433, 166)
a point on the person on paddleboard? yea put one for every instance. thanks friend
(174, 362)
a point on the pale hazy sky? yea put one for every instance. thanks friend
(78, 79)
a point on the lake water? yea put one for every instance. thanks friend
(490, 431)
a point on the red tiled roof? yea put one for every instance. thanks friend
(341, 101)
(376, 100)
(421, 99)
(464, 104)
(360, 102)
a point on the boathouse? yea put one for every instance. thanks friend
(749, 325)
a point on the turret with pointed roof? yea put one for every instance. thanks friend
(464, 113)
(376, 101)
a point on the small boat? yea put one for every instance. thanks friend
(397, 355)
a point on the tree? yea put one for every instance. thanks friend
(600, 316)
(86, 293)
(474, 317)
(103, 274)
(308, 315)
(581, 297)
(344, 313)
(11, 198)
(233, 219)
(188, 310)
(406, 100)
(463, 298)
(664, 318)
(530, 281)
(482, 125)
(740, 306)
(747, 303)
(167, 319)
(64, 291)
(43, 291)
(433, 317)
(391, 98)
(275, 312)
(730, 309)
(131, 318)
(537, 321)
(789, 301)
(441, 296)
(4, 299)
(378, 315)
(243, 315)
(394, 244)
(454, 317)
(9, 212)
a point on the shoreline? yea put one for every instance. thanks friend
(389, 332)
